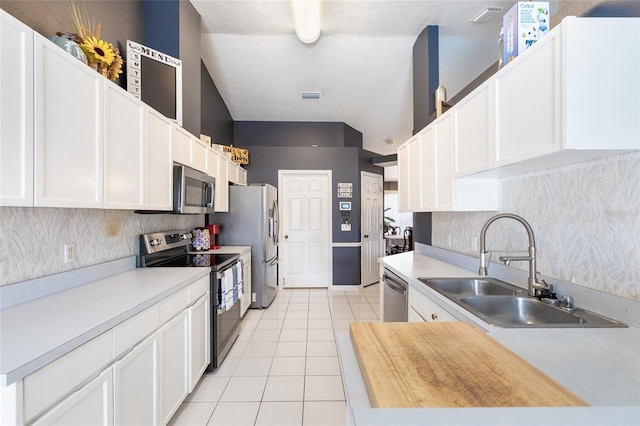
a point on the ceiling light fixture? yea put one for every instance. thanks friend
(310, 95)
(389, 142)
(306, 19)
(485, 14)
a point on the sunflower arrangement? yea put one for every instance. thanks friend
(101, 55)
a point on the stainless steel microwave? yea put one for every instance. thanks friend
(193, 191)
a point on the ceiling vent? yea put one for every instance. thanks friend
(485, 14)
(309, 95)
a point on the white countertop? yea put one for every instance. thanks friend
(37, 332)
(600, 365)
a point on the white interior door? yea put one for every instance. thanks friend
(305, 228)
(371, 226)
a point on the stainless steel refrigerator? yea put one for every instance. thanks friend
(253, 220)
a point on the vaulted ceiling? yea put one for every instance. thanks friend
(362, 63)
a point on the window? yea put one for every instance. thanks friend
(402, 219)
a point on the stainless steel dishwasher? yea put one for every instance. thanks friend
(395, 297)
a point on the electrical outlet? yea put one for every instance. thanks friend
(448, 238)
(69, 252)
(474, 243)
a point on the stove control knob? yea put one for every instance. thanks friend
(154, 242)
(185, 236)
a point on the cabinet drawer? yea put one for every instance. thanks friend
(49, 384)
(133, 330)
(198, 289)
(429, 311)
(173, 305)
(246, 257)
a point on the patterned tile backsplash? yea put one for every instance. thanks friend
(586, 220)
(32, 239)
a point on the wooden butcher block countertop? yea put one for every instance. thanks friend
(448, 364)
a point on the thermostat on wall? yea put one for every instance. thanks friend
(345, 205)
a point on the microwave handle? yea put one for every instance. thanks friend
(208, 195)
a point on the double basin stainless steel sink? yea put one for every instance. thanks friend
(505, 305)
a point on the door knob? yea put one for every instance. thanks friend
(366, 236)
(286, 236)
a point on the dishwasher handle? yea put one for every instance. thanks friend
(394, 285)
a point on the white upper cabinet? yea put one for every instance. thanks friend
(199, 155)
(16, 112)
(125, 149)
(527, 104)
(68, 129)
(221, 201)
(472, 131)
(212, 163)
(189, 150)
(159, 162)
(428, 174)
(573, 96)
(404, 184)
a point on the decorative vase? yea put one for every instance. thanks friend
(67, 43)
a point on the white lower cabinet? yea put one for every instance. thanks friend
(421, 309)
(91, 405)
(245, 302)
(199, 340)
(174, 364)
(137, 373)
(135, 387)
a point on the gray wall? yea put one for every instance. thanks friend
(287, 145)
(164, 31)
(215, 121)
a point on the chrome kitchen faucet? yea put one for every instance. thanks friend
(534, 286)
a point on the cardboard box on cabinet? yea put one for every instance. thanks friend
(523, 25)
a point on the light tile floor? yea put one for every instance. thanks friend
(284, 367)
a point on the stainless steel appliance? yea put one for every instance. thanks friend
(395, 298)
(193, 191)
(171, 249)
(253, 220)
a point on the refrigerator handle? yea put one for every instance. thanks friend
(276, 222)
(271, 228)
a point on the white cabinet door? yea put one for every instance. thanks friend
(181, 146)
(404, 186)
(222, 187)
(159, 162)
(199, 337)
(199, 155)
(135, 387)
(425, 185)
(443, 165)
(527, 96)
(415, 175)
(242, 176)
(124, 149)
(174, 365)
(421, 309)
(212, 163)
(91, 405)
(68, 129)
(472, 131)
(16, 112)
(245, 302)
